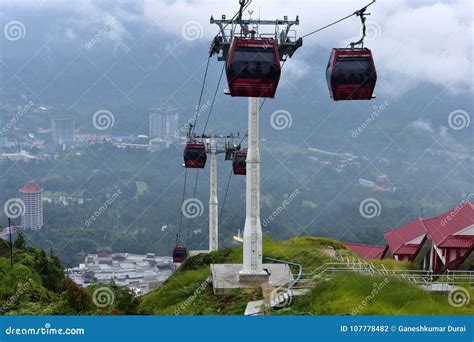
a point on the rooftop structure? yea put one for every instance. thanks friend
(139, 273)
(366, 251)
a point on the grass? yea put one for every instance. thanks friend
(361, 295)
(186, 292)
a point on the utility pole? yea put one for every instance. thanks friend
(11, 244)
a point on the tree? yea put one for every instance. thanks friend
(76, 297)
(20, 242)
(127, 302)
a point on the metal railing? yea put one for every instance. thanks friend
(417, 277)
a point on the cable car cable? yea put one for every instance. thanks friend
(184, 194)
(207, 120)
(358, 13)
(194, 196)
(213, 100)
(198, 107)
(225, 196)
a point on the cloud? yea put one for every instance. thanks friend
(423, 125)
(414, 43)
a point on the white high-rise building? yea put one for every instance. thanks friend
(164, 123)
(62, 128)
(31, 194)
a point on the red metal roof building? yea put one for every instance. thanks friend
(404, 242)
(366, 251)
(450, 239)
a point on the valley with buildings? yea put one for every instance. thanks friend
(139, 178)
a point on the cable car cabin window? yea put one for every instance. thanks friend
(354, 70)
(254, 63)
(180, 253)
(239, 161)
(194, 153)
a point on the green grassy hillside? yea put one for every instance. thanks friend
(188, 291)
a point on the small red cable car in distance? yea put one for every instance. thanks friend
(239, 164)
(195, 155)
(351, 74)
(180, 253)
(253, 67)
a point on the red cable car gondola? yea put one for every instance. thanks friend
(180, 253)
(351, 74)
(239, 163)
(253, 67)
(195, 155)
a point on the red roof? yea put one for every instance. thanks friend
(31, 188)
(442, 229)
(398, 239)
(366, 251)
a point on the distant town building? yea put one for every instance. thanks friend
(139, 273)
(62, 129)
(31, 194)
(366, 183)
(164, 123)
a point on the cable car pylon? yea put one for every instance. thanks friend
(253, 70)
(211, 146)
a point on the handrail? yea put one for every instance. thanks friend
(294, 281)
(300, 270)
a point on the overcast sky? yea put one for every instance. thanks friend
(415, 43)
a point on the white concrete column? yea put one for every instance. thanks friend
(213, 205)
(252, 263)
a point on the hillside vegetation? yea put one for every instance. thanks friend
(189, 292)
